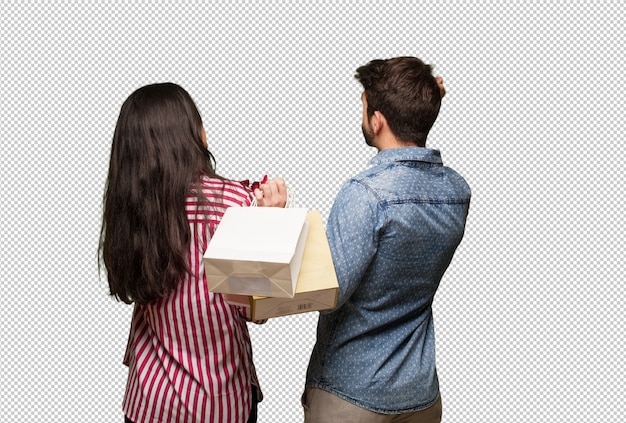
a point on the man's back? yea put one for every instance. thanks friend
(393, 230)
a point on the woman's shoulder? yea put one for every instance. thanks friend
(229, 191)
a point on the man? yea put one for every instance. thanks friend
(393, 230)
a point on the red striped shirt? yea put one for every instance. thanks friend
(189, 356)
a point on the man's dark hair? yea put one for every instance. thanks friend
(404, 90)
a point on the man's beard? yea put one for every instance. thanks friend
(368, 135)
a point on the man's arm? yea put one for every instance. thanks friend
(353, 236)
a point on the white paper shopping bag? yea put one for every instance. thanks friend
(317, 287)
(257, 251)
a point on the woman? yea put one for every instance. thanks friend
(189, 356)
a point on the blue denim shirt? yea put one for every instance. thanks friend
(393, 230)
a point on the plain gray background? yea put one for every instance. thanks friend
(529, 315)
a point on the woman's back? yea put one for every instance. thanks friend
(189, 353)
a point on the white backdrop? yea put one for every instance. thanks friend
(529, 315)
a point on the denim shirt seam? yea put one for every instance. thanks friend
(425, 201)
(334, 391)
(381, 203)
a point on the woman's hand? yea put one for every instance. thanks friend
(272, 193)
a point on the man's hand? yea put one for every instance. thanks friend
(442, 89)
(272, 193)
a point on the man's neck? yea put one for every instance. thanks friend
(392, 142)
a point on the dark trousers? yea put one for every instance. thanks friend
(253, 410)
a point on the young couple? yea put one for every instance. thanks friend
(392, 229)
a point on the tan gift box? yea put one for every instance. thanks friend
(317, 286)
(257, 251)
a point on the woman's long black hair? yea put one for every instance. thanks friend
(157, 156)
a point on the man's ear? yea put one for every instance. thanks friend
(378, 122)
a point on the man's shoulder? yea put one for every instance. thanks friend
(457, 180)
(374, 170)
(362, 179)
(357, 187)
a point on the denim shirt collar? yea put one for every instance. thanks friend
(418, 154)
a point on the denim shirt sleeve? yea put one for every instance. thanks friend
(351, 233)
